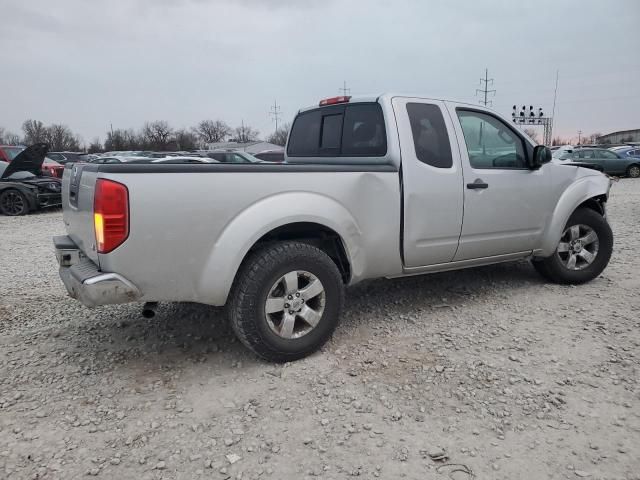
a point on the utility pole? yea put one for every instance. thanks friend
(111, 124)
(486, 102)
(485, 91)
(579, 136)
(345, 91)
(553, 110)
(275, 113)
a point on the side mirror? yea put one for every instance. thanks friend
(541, 155)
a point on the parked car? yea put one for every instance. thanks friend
(381, 186)
(627, 151)
(118, 159)
(67, 157)
(612, 162)
(49, 167)
(52, 168)
(276, 156)
(23, 188)
(232, 157)
(9, 152)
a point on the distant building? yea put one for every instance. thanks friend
(249, 147)
(622, 136)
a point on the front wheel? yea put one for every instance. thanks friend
(286, 301)
(13, 203)
(583, 252)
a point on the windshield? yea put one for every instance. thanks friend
(12, 152)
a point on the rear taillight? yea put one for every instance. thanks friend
(334, 100)
(110, 215)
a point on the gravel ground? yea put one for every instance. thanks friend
(486, 373)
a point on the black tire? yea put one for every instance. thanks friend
(255, 279)
(552, 268)
(13, 203)
(633, 171)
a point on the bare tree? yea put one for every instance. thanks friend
(95, 146)
(34, 132)
(279, 137)
(8, 138)
(185, 140)
(61, 138)
(12, 138)
(157, 134)
(245, 133)
(121, 139)
(211, 131)
(533, 134)
(593, 138)
(559, 141)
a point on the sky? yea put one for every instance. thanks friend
(90, 64)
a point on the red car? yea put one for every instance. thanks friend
(49, 167)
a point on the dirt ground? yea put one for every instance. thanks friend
(487, 373)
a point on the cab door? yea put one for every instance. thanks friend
(431, 182)
(506, 205)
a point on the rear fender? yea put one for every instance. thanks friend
(577, 193)
(260, 218)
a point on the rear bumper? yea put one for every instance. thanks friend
(84, 280)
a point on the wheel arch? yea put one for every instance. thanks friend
(32, 199)
(316, 234)
(588, 192)
(309, 217)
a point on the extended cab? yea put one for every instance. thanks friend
(382, 186)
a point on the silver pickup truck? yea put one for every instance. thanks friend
(383, 186)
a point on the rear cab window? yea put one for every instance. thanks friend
(344, 130)
(430, 136)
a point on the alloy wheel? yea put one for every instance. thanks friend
(578, 247)
(295, 304)
(13, 203)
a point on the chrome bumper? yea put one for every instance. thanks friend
(84, 280)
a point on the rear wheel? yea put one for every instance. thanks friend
(286, 301)
(633, 171)
(13, 203)
(583, 252)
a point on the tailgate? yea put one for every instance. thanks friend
(78, 184)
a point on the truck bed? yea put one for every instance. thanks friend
(191, 224)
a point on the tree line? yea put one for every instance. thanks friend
(58, 136)
(157, 135)
(590, 139)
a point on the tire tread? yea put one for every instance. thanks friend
(248, 283)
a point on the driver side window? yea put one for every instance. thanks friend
(490, 142)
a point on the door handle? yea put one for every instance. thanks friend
(477, 184)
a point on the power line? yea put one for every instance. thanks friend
(345, 91)
(487, 81)
(275, 113)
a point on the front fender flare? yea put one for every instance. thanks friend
(577, 193)
(263, 216)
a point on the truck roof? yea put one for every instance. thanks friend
(389, 95)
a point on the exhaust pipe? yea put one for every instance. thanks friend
(149, 309)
